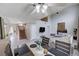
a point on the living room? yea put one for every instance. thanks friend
(22, 26)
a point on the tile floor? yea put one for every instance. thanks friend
(3, 44)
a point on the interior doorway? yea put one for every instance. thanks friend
(22, 32)
(1, 28)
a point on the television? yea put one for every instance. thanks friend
(42, 29)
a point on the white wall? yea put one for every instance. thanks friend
(68, 15)
(39, 24)
(34, 29)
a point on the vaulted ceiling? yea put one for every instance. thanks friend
(23, 12)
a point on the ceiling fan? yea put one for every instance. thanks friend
(40, 7)
(43, 7)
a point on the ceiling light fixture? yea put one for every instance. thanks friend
(38, 8)
(45, 6)
(41, 7)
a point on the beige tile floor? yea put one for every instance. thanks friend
(3, 44)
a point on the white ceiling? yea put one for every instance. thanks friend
(17, 12)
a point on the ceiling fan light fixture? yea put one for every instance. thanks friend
(38, 8)
(43, 11)
(45, 6)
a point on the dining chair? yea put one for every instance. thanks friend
(45, 42)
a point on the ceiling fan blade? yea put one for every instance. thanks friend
(34, 10)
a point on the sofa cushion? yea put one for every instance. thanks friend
(57, 52)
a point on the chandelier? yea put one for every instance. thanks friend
(40, 7)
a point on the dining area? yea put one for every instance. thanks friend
(30, 48)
